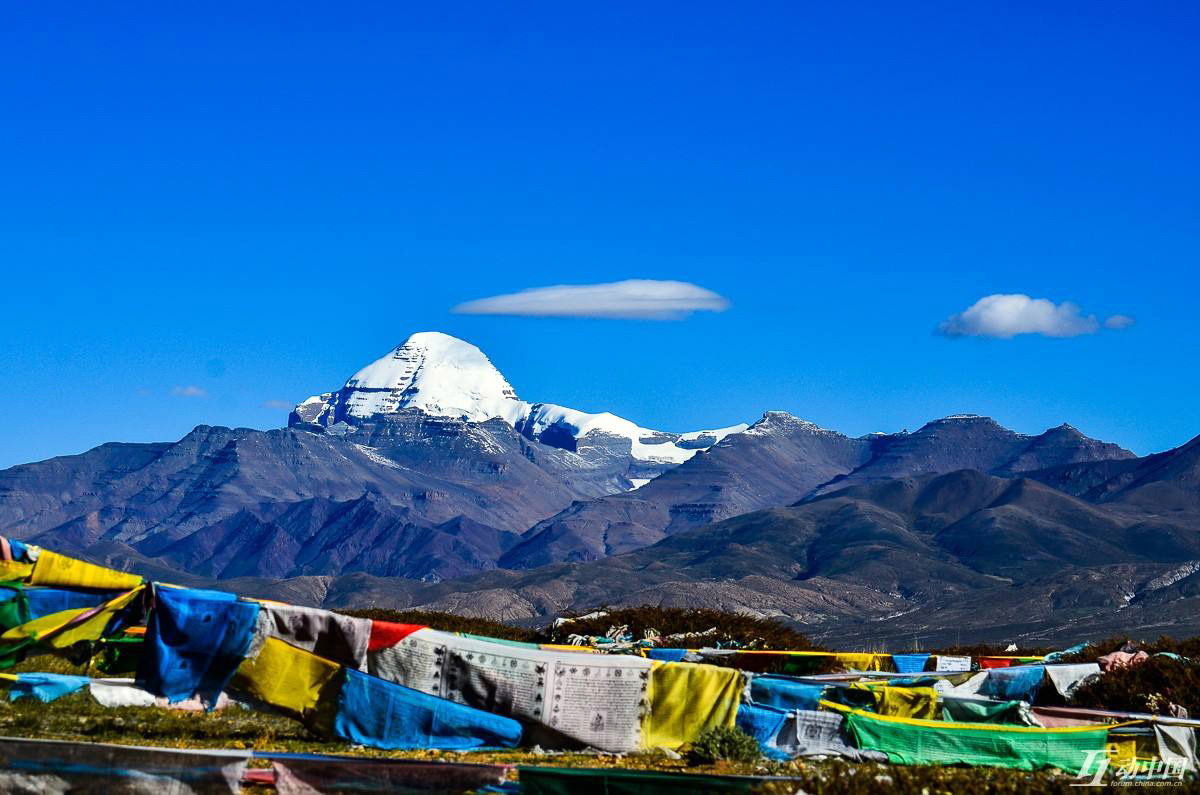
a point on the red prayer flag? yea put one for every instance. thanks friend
(389, 633)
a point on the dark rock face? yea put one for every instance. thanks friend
(1060, 446)
(959, 555)
(962, 523)
(1163, 482)
(282, 497)
(317, 536)
(411, 495)
(779, 460)
(969, 442)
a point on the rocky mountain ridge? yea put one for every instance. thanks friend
(426, 481)
(948, 557)
(782, 459)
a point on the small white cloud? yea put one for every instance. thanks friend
(278, 405)
(645, 299)
(1119, 322)
(1006, 316)
(189, 391)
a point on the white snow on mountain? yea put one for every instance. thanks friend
(542, 415)
(646, 444)
(440, 375)
(717, 433)
(446, 377)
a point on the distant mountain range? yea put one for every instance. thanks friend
(426, 480)
(781, 459)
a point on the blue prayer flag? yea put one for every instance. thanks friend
(381, 714)
(1018, 683)
(763, 724)
(909, 663)
(784, 692)
(195, 640)
(45, 687)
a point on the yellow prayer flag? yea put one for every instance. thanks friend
(907, 702)
(55, 569)
(13, 570)
(68, 627)
(40, 627)
(92, 628)
(289, 679)
(687, 699)
(854, 661)
(1125, 750)
(1121, 751)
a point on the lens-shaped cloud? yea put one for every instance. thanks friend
(643, 299)
(1007, 315)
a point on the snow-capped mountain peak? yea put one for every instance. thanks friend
(444, 376)
(437, 373)
(441, 375)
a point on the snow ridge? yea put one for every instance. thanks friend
(446, 377)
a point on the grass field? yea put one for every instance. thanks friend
(78, 717)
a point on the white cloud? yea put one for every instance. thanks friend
(278, 405)
(635, 298)
(189, 391)
(1006, 316)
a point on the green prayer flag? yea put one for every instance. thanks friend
(1013, 713)
(912, 742)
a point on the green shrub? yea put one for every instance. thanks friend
(732, 629)
(1189, 647)
(1145, 687)
(722, 744)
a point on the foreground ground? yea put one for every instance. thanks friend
(78, 717)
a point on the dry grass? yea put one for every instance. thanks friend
(78, 717)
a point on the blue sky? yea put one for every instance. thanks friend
(257, 202)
